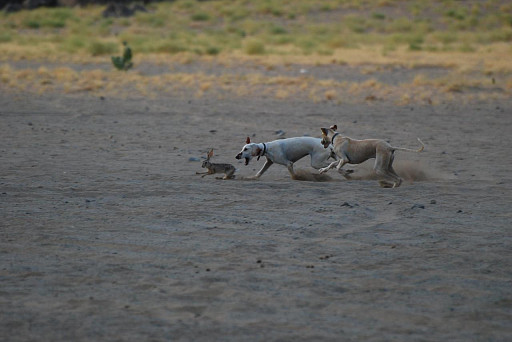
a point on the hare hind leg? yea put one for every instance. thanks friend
(229, 174)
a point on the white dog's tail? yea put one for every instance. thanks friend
(410, 149)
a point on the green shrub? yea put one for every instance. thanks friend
(200, 16)
(278, 30)
(456, 14)
(414, 46)
(32, 24)
(379, 16)
(212, 50)
(53, 23)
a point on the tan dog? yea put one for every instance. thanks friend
(351, 151)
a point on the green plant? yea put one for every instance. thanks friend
(123, 62)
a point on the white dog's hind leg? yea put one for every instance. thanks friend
(290, 169)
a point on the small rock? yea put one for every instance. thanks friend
(418, 206)
(433, 202)
(193, 159)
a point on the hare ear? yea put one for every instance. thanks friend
(248, 140)
(334, 127)
(210, 153)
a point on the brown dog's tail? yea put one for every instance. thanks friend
(410, 149)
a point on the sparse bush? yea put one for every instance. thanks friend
(5, 37)
(98, 48)
(73, 44)
(254, 47)
(170, 47)
(278, 30)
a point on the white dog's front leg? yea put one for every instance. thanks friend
(268, 163)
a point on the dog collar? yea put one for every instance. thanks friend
(334, 136)
(264, 150)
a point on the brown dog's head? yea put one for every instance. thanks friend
(327, 134)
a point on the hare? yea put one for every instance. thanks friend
(227, 169)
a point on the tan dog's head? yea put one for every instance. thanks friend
(248, 151)
(327, 134)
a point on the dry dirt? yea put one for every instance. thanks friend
(108, 234)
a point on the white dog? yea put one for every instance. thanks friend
(286, 152)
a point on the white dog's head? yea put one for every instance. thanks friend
(248, 151)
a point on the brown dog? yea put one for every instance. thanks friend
(351, 151)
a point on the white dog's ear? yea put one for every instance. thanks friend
(334, 127)
(324, 131)
(248, 140)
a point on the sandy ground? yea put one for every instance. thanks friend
(108, 233)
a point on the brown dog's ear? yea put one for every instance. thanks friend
(324, 131)
(334, 127)
(248, 140)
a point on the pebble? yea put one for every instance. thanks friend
(280, 133)
(193, 159)
(418, 206)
